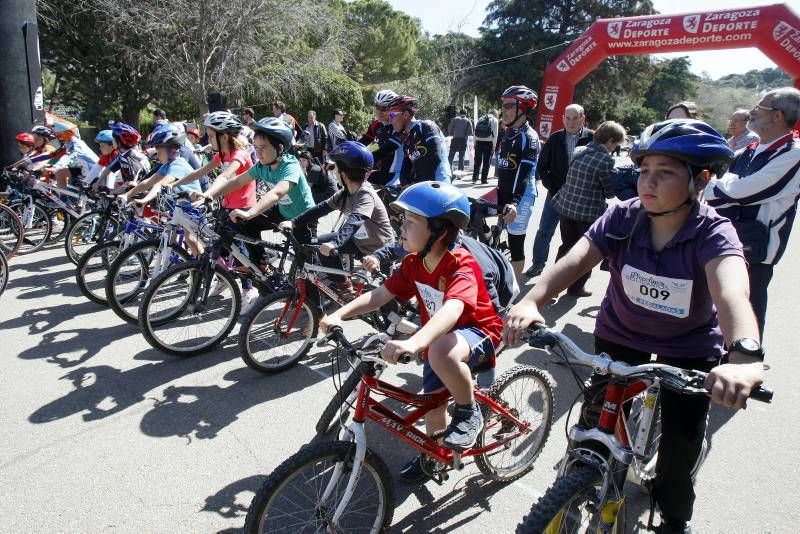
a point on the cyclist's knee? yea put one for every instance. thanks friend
(448, 349)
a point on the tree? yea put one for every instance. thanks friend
(672, 83)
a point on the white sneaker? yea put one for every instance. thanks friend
(217, 287)
(249, 299)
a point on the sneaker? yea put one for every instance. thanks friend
(535, 270)
(249, 299)
(413, 472)
(467, 423)
(674, 527)
(217, 288)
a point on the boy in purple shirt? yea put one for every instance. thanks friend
(678, 289)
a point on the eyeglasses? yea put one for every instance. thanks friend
(759, 106)
(393, 114)
(509, 105)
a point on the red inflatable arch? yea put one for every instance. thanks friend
(775, 30)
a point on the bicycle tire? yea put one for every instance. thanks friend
(154, 325)
(11, 232)
(85, 233)
(256, 326)
(96, 262)
(540, 401)
(36, 237)
(336, 413)
(60, 226)
(4, 273)
(125, 303)
(549, 513)
(374, 484)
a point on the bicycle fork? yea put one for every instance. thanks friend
(359, 437)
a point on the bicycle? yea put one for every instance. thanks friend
(3, 272)
(587, 495)
(343, 485)
(280, 328)
(93, 266)
(135, 267)
(180, 297)
(12, 232)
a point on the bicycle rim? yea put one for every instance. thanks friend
(93, 270)
(296, 505)
(11, 231)
(269, 343)
(3, 272)
(35, 237)
(176, 319)
(527, 393)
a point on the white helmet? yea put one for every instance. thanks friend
(223, 121)
(384, 96)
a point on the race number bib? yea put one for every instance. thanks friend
(284, 200)
(361, 233)
(672, 296)
(432, 298)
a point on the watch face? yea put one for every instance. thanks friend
(749, 344)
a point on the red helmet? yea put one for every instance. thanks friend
(194, 131)
(403, 103)
(25, 138)
(524, 95)
(126, 134)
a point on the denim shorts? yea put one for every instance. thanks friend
(481, 357)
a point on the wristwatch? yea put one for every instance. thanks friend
(748, 346)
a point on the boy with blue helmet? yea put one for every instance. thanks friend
(363, 226)
(460, 328)
(673, 263)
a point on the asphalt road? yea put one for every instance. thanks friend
(101, 433)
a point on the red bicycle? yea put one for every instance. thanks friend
(344, 486)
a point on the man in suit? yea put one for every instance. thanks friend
(552, 171)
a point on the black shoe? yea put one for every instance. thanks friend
(463, 431)
(535, 270)
(413, 472)
(674, 527)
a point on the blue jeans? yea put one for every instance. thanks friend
(547, 227)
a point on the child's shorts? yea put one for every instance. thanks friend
(481, 357)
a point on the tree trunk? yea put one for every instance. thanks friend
(131, 106)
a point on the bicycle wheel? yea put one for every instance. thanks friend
(92, 270)
(571, 505)
(337, 412)
(290, 500)
(264, 341)
(175, 319)
(131, 273)
(11, 231)
(526, 392)
(3, 272)
(88, 230)
(37, 232)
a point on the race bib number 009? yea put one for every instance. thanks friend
(661, 294)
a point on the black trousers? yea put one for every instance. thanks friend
(683, 428)
(760, 276)
(266, 221)
(459, 145)
(571, 233)
(483, 160)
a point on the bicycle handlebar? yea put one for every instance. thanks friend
(684, 380)
(336, 335)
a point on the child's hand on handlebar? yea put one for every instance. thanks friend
(370, 263)
(519, 318)
(730, 384)
(327, 322)
(325, 249)
(285, 225)
(395, 348)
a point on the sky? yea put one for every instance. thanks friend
(441, 16)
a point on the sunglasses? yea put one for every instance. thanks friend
(393, 114)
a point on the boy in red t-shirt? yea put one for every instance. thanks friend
(460, 328)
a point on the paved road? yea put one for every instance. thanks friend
(101, 433)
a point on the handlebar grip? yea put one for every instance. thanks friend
(761, 394)
(540, 337)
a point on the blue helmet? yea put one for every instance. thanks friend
(104, 136)
(126, 134)
(692, 141)
(276, 129)
(167, 135)
(435, 200)
(353, 154)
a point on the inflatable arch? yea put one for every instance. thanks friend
(774, 29)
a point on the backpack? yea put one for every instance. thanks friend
(483, 128)
(501, 284)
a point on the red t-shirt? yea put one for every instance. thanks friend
(245, 196)
(457, 276)
(104, 159)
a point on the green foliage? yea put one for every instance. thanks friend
(672, 83)
(756, 79)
